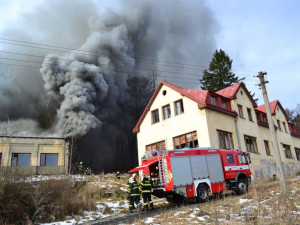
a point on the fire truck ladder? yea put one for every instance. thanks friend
(161, 169)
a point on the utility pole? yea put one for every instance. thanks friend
(272, 129)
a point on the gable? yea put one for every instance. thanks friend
(201, 97)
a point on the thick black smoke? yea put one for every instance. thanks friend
(90, 84)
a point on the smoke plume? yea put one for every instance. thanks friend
(89, 84)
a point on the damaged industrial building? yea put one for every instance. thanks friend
(34, 155)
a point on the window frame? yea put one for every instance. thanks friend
(156, 146)
(224, 104)
(251, 147)
(45, 159)
(279, 126)
(223, 143)
(267, 148)
(213, 100)
(249, 114)
(166, 114)
(297, 152)
(241, 113)
(180, 110)
(17, 160)
(193, 143)
(284, 126)
(287, 151)
(154, 116)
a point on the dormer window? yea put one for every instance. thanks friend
(224, 104)
(213, 100)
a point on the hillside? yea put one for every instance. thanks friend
(91, 199)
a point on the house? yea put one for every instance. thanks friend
(227, 119)
(33, 155)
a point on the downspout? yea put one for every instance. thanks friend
(237, 133)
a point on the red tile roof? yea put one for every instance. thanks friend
(230, 92)
(273, 106)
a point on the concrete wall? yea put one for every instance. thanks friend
(35, 146)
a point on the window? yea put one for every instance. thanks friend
(224, 104)
(287, 151)
(189, 140)
(230, 158)
(225, 140)
(155, 116)
(240, 108)
(284, 126)
(213, 100)
(0, 158)
(242, 159)
(267, 147)
(265, 119)
(278, 123)
(297, 151)
(249, 114)
(179, 107)
(156, 146)
(19, 159)
(48, 159)
(251, 144)
(257, 116)
(166, 112)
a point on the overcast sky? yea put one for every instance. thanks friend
(258, 35)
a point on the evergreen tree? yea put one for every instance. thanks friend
(219, 74)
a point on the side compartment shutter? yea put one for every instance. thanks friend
(181, 171)
(199, 167)
(215, 168)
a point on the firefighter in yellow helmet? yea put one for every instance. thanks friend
(134, 194)
(146, 186)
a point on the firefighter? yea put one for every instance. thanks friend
(134, 194)
(88, 171)
(128, 192)
(118, 175)
(146, 186)
(80, 168)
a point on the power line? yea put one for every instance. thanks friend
(67, 49)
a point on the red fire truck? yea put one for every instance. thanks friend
(194, 173)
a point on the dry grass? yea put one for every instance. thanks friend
(44, 201)
(264, 204)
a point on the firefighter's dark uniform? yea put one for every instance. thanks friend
(134, 195)
(80, 168)
(146, 186)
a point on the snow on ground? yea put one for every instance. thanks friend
(222, 213)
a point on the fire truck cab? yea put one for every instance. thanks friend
(194, 173)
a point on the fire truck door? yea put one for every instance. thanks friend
(243, 165)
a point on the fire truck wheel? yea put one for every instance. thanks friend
(202, 193)
(242, 186)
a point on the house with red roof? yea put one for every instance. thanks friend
(178, 118)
